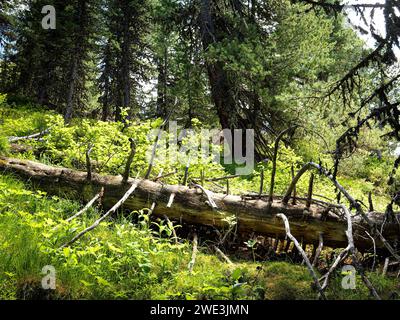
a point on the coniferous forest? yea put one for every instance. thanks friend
(199, 150)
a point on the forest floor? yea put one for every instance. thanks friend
(132, 256)
(126, 260)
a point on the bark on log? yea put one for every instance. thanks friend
(190, 205)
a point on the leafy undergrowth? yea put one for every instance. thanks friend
(66, 145)
(122, 259)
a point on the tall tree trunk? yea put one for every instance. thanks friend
(71, 89)
(126, 63)
(81, 34)
(221, 88)
(162, 66)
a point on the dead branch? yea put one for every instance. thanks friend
(194, 253)
(319, 249)
(155, 145)
(208, 194)
(374, 244)
(385, 267)
(153, 205)
(171, 200)
(172, 228)
(299, 248)
(28, 137)
(103, 217)
(275, 156)
(165, 175)
(88, 162)
(355, 204)
(88, 205)
(222, 255)
(130, 160)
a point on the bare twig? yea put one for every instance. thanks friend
(385, 267)
(88, 162)
(165, 175)
(222, 255)
(373, 242)
(129, 160)
(155, 145)
(310, 191)
(307, 261)
(319, 249)
(103, 217)
(371, 205)
(294, 189)
(172, 228)
(28, 137)
(153, 205)
(355, 204)
(208, 195)
(261, 183)
(194, 253)
(275, 156)
(171, 200)
(352, 250)
(88, 205)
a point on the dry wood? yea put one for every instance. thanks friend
(310, 191)
(222, 255)
(294, 189)
(155, 145)
(373, 242)
(355, 204)
(153, 205)
(371, 205)
(172, 228)
(88, 205)
(253, 215)
(304, 255)
(350, 249)
(194, 254)
(129, 160)
(208, 194)
(88, 162)
(28, 137)
(319, 249)
(103, 217)
(385, 267)
(275, 156)
(261, 183)
(171, 200)
(165, 175)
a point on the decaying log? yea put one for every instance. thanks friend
(254, 215)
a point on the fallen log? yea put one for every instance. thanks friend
(28, 137)
(191, 205)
